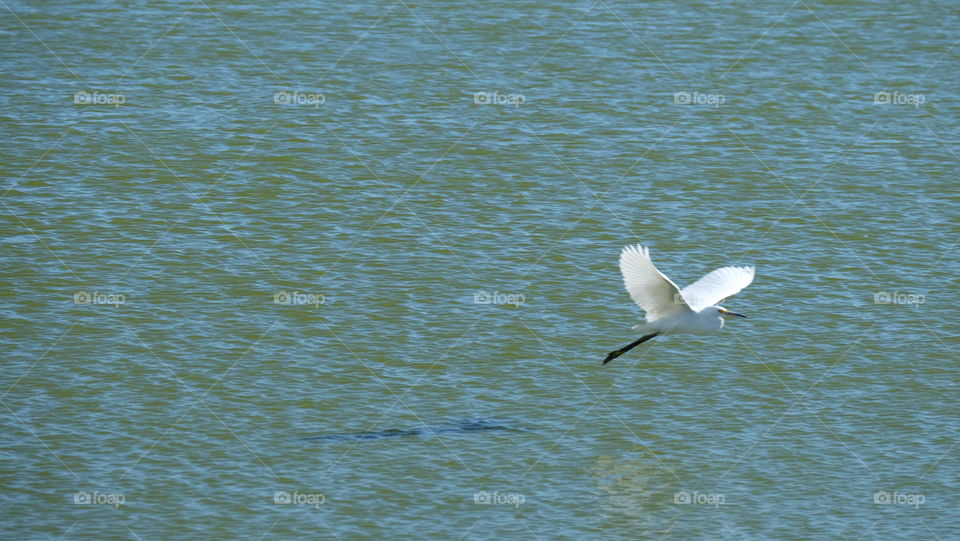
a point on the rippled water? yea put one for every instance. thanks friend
(243, 249)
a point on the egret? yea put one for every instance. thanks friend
(671, 310)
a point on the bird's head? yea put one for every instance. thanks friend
(722, 312)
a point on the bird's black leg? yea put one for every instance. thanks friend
(614, 354)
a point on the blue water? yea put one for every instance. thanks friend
(248, 253)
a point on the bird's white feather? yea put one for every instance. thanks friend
(648, 287)
(716, 286)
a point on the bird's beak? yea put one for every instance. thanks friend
(729, 313)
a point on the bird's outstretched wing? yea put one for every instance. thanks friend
(716, 286)
(648, 287)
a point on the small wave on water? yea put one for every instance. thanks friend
(462, 425)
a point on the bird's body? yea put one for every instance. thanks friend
(705, 321)
(671, 310)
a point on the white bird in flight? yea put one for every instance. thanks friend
(671, 310)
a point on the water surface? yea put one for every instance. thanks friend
(283, 230)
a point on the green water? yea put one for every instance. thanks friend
(383, 197)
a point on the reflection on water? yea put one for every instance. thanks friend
(465, 425)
